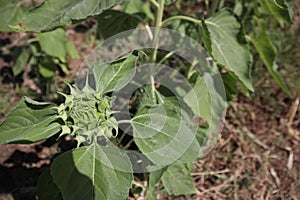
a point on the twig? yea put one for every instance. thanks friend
(293, 110)
(210, 173)
(254, 138)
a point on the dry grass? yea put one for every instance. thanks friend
(256, 157)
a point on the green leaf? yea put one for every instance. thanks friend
(138, 6)
(9, 14)
(27, 123)
(154, 178)
(47, 68)
(54, 43)
(281, 9)
(163, 136)
(112, 22)
(85, 173)
(225, 47)
(230, 83)
(267, 52)
(47, 189)
(71, 49)
(54, 13)
(20, 61)
(148, 98)
(187, 28)
(177, 179)
(207, 99)
(202, 105)
(115, 75)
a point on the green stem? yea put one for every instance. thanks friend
(124, 122)
(180, 17)
(128, 144)
(158, 21)
(154, 3)
(166, 57)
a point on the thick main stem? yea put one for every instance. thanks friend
(158, 21)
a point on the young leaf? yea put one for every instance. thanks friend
(54, 43)
(115, 75)
(84, 173)
(9, 14)
(27, 123)
(47, 190)
(54, 13)
(112, 22)
(163, 136)
(225, 48)
(177, 179)
(279, 8)
(267, 52)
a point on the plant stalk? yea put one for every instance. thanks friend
(154, 3)
(158, 21)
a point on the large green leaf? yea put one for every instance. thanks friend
(29, 122)
(54, 43)
(208, 100)
(9, 14)
(281, 9)
(47, 190)
(177, 179)
(225, 48)
(54, 13)
(267, 52)
(163, 135)
(112, 22)
(115, 75)
(85, 173)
